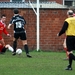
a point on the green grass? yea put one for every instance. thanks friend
(42, 63)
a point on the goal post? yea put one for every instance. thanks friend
(37, 23)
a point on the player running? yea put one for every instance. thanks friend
(69, 29)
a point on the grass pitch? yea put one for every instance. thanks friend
(42, 63)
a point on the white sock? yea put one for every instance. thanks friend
(10, 48)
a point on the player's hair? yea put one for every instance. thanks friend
(70, 12)
(3, 15)
(16, 11)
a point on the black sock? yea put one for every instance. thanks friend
(14, 45)
(71, 58)
(4, 49)
(70, 61)
(26, 49)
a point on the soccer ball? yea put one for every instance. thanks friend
(19, 51)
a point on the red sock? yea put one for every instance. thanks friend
(66, 52)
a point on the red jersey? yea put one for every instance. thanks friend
(2, 29)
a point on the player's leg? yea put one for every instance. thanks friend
(4, 50)
(9, 48)
(26, 47)
(1, 46)
(69, 67)
(2, 42)
(24, 40)
(16, 36)
(65, 48)
(14, 46)
(71, 46)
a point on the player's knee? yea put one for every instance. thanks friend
(15, 41)
(25, 42)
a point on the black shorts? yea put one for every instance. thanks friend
(70, 42)
(21, 35)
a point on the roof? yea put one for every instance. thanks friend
(27, 5)
(51, 5)
(14, 5)
(69, 0)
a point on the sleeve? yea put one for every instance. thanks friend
(64, 28)
(11, 21)
(5, 31)
(24, 21)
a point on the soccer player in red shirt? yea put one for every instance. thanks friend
(3, 29)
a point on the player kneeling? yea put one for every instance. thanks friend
(8, 47)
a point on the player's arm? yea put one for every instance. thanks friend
(64, 28)
(9, 26)
(5, 32)
(11, 22)
(24, 21)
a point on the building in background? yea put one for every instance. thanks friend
(69, 2)
(52, 15)
(63, 2)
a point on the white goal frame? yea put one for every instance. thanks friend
(38, 23)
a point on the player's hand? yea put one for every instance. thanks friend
(8, 27)
(58, 34)
(8, 35)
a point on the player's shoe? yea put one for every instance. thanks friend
(68, 68)
(66, 58)
(13, 53)
(1, 52)
(29, 56)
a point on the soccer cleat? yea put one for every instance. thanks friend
(29, 56)
(13, 53)
(1, 52)
(68, 68)
(66, 58)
